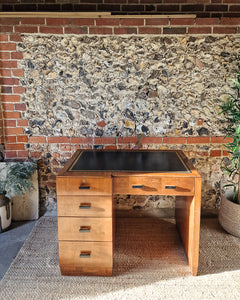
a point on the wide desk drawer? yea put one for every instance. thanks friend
(84, 186)
(146, 185)
(86, 206)
(86, 258)
(84, 229)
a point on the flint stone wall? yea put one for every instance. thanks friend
(94, 86)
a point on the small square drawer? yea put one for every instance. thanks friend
(84, 186)
(137, 185)
(178, 186)
(85, 229)
(86, 258)
(85, 206)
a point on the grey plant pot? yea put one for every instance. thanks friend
(5, 213)
(229, 214)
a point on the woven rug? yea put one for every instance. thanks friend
(149, 263)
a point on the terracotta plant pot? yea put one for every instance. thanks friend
(5, 212)
(229, 214)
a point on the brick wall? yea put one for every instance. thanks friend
(19, 144)
(203, 8)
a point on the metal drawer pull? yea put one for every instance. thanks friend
(85, 206)
(85, 254)
(170, 187)
(138, 186)
(85, 229)
(84, 187)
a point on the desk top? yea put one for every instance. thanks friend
(125, 161)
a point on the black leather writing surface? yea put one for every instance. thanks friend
(134, 161)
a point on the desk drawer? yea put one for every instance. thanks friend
(86, 206)
(137, 185)
(153, 185)
(84, 186)
(86, 258)
(178, 186)
(84, 229)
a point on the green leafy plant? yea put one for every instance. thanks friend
(231, 109)
(18, 179)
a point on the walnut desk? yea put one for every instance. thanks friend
(85, 209)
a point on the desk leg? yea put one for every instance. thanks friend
(188, 223)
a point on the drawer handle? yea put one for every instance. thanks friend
(170, 187)
(84, 187)
(85, 229)
(85, 206)
(137, 186)
(85, 254)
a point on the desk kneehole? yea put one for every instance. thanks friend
(138, 185)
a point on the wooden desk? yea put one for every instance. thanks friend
(85, 210)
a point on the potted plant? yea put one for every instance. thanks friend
(229, 214)
(15, 181)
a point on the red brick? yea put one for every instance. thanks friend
(150, 30)
(53, 30)
(174, 30)
(58, 139)
(8, 106)
(11, 115)
(16, 55)
(10, 123)
(22, 139)
(104, 140)
(110, 147)
(14, 146)
(19, 90)
(101, 124)
(220, 140)
(11, 139)
(4, 55)
(23, 154)
(230, 21)
(10, 98)
(125, 30)
(26, 29)
(6, 28)
(20, 107)
(8, 64)
(107, 22)
(207, 21)
(81, 140)
(13, 131)
(7, 46)
(234, 8)
(127, 140)
(151, 140)
(65, 147)
(32, 21)
(11, 154)
(5, 72)
(199, 30)
(225, 30)
(182, 21)
(37, 139)
(18, 72)
(82, 22)
(22, 123)
(15, 38)
(5, 89)
(174, 140)
(225, 153)
(9, 81)
(76, 30)
(215, 153)
(100, 30)
(57, 21)
(156, 21)
(3, 37)
(132, 22)
(9, 21)
(198, 140)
